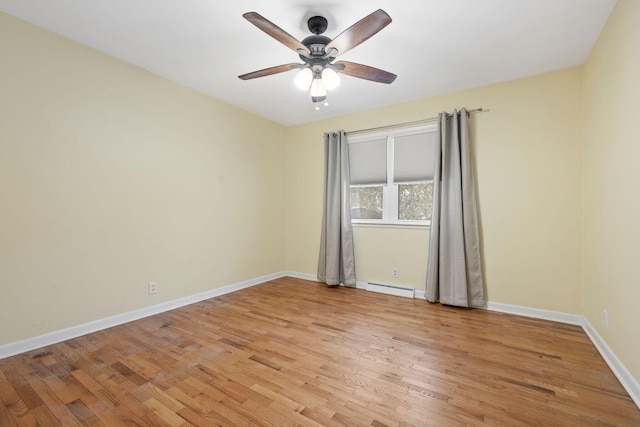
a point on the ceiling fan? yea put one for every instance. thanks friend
(318, 71)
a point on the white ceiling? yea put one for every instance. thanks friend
(434, 46)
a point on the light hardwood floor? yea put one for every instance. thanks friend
(292, 352)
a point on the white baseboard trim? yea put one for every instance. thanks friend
(538, 313)
(623, 375)
(55, 337)
(303, 276)
(620, 371)
(627, 380)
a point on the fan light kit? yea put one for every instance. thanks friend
(318, 73)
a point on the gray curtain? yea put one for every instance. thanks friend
(336, 263)
(454, 270)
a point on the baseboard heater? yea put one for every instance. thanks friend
(397, 290)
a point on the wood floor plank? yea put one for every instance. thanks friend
(164, 413)
(53, 404)
(294, 352)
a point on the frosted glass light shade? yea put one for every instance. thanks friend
(330, 78)
(303, 78)
(317, 89)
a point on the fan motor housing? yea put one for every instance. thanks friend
(316, 45)
(315, 39)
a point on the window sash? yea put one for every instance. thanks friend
(409, 171)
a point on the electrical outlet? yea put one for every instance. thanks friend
(395, 272)
(605, 318)
(153, 288)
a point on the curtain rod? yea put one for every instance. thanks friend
(413, 123)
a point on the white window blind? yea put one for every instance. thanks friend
(368, 162)
(414, 157)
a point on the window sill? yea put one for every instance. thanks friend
(408, 225)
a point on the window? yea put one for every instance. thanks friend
(392, 176)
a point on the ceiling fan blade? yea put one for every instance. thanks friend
(359, 32)
(365, 72)
(276, 32)
(269, 71)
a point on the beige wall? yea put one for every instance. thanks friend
(529, 167)
(111, 177)
(379, 250)
(611, 184)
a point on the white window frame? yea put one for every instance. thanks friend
(390, 189)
